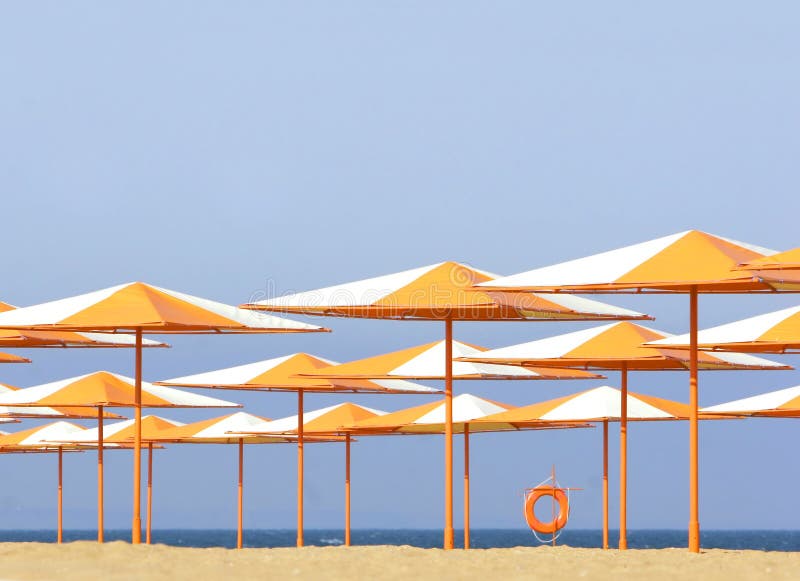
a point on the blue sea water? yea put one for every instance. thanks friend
(480, 538)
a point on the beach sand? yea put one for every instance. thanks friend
(88, 560)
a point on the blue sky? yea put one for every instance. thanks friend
(224, 148)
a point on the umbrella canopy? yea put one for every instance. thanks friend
(123, 432)
(46, 436)
(427, 362)
(437, 292)
(784, 403)
(594, 405)
(674, 263)
(326, 421)
(44, 412)
(614, 346)
(775, 332)
(106, 389)
(9, 358)
(38, 339)
(227, 429)
(138, 306)
(287, 373)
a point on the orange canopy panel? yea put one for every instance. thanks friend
(289, 373)
(427, 362)
(781, 271)
(614, 346)
(139, 306)
(437, 292)
(775, 332)
(325, 421)
(673, 263)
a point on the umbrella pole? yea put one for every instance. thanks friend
(694, 503)
(448, 436)
(300, 467)
(240, 496)
(466, 485)
(347, 490)
(149, 525)
(60, 494)
(100, 500)
(605, 484)
(623, 459)
(136, 533)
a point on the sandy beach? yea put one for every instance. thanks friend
(82, 560)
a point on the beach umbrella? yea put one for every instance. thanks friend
(123, 433)
(440, 292)
(325, 422)
(285, 374)
(102, 390)
(619, 346)
(690, 262)
(775, 332)
(430, 419)
(9, 358)
(600, 404)
(219, 431)
(141, 309)
(38, 439)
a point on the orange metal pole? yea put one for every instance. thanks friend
(605, 484)
(240, 519)
(136, 533)
(60, 495)
(448, 437)
(347, 490)
(100, 500)
(300, 430)
(149, 525)
(694, 501)
(466, 485)
(623, 459)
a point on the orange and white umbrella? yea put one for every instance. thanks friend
(783, 403)
(12, 413)
(775, 332)
(291, 373)
(101, 390)
(287, 374)
(141, 308)
(426, 362)
(123, 433)
(442, 292)
(218, 431)
(39, 439)
(687, 262)
(601, 404)
(37, 339)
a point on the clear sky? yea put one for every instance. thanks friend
(221, 148)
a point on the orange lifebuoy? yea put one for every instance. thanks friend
(555, 525)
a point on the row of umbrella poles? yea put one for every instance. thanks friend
(690, 262)
(472, 415)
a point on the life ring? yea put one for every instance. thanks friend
(560, 521)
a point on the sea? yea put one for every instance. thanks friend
(763, 540)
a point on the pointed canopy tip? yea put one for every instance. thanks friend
(674, 263)
(141, 307)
